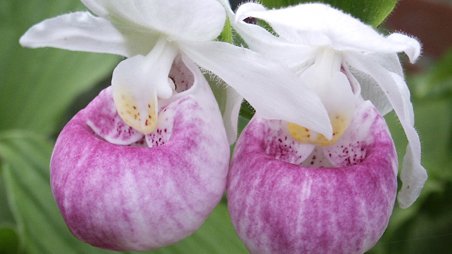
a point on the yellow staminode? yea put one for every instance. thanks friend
(304, 135)
(142, 119)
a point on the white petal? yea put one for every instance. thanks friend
(321, 25)
(195, 20)
(138, 82)
(405, 95)
(370, 90)
(231, 114)
(260, 40)
(409, 45)
(335, 90)
(271, 89)
(83, 32)
(336, 94)
(390, 62)
(413, 175)
(325, 78)
(96, 7)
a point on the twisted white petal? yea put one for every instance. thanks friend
(82, 31)
(270, 88)
(231, 114)
(413, 175)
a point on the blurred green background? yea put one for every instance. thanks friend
(40, 90)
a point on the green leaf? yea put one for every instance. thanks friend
(40, 226)
(369, 11)
(434, 124)
(37, 85)
(226, 34)
(9, 242)
(215, 236)
(26, 174)
(430, 231)
(6, 217)
(219, 90)
(425, 230)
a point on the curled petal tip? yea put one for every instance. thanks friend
(80, 31)
(23, 41)
(30, 38)
(412, 47)
(413, 178)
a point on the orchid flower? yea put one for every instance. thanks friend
(157, 189)
(139, 168)
(146, 161)
(294, 190)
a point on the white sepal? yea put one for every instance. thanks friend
(264, 42)
(413, 175)
(231, 114)
(410, 46)
(370, 90)
(321, 25)
(195, 20)
(274, 91)
(82, 31)
(96, 6)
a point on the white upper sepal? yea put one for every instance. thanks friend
(194, 20)
(260, 40)
(273, 90)
(82, 31)
(319, 24)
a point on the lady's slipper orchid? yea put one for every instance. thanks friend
(293, 190)
(144, 164)
(156, 190)
(285, 197)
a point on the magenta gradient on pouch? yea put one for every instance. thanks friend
(280, 207)
(137, 197)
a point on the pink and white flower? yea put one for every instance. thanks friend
(153, 189)
(294, 190)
